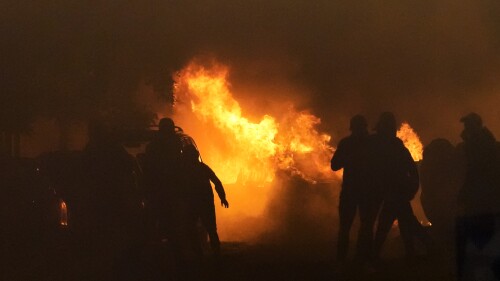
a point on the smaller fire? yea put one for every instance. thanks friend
(411, 141)
(63, 213)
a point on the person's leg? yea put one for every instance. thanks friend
(369, 207)
(347, 211)
(385, 221)
(421, 234)
(209, 222)
(408, 226)
(461, 243)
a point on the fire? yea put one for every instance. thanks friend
(251, 151)
(245, 150)
(63, 213)
(247, 144)
(411, 141)
(248, 150)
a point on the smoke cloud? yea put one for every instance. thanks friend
(428, 61)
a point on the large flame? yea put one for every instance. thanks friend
(251, 151)
(247, 150)
(411, 141)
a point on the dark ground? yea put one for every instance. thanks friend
(269, 262)
(53, 260)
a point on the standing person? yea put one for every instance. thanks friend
(200, 196)
(396, 174)
(107, 211)
(479, 197)
(352, 155)
(440, 182)
(479, 192)
(161, 167)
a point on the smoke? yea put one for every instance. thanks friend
(294, 212)
(428, 61)
(301, 213)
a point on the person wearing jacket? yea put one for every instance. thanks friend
(396, 174)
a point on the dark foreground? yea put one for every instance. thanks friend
(239, 261)
(265, 262)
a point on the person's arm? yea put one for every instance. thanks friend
(339, 157)
(218, 187)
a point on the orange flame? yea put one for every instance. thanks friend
(63, 213)
(411, 141)
(244, 150)
(251, 151)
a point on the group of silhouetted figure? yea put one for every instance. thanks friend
(460, 190)
(119, 205)
(179, 190)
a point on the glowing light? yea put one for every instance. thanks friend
(63, 213)
(411, 141)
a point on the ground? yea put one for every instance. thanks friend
(271, 262)
(239, 261)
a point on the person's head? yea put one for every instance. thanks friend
(386, 124)
(438, 150)
(472, 121)
(472, 124)
(166, 126)
(191, 154)
(358, 125)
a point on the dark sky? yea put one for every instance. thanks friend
(429, 61)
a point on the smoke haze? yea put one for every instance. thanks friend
(429, 61)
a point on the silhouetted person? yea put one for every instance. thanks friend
(199, 194)
(479, 193)
(440, 181)
(397, 175)
(108, 212)
(163, 192)
(161, 168)
(479, 196)
(352, 155)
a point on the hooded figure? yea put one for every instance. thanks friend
(396, 175)
(161, 169)
(480, 191)
(479, 196)
(352, 155)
